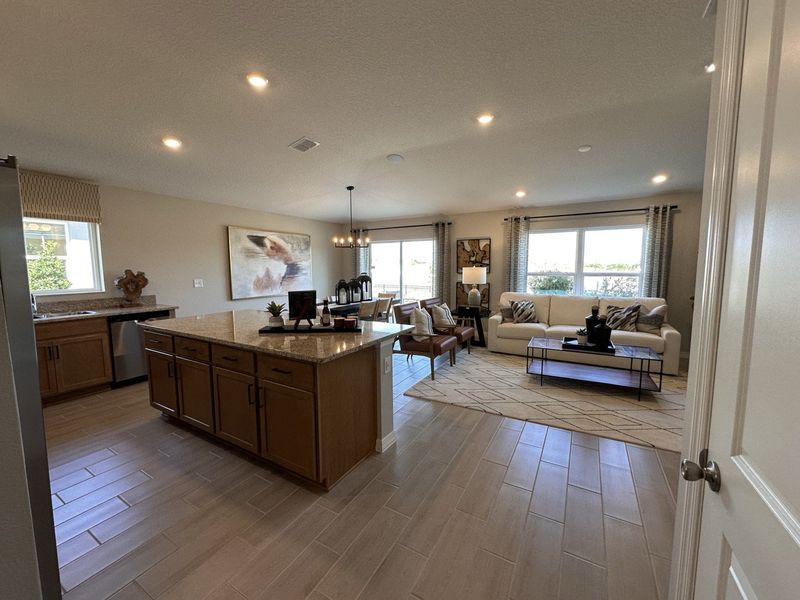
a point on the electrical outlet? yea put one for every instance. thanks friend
(387, 365)
(198, 283)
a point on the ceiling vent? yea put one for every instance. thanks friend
(304, 144)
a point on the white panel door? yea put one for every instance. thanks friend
(750, 534)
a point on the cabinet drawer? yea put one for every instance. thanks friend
(285, 371)
(233, 358)
(158, 341)
(191, 348)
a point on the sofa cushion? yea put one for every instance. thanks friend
(647, 303)
(521, 331)
(651, 322)
(557, 332)
(507, 314)
(542, 302)
(623, 318)
(638, 338)
(570, 310)
(524, 311)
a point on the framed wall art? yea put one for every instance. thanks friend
(473, 252)
(268, 263)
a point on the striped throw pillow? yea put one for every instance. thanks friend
(423, 326)
(524, 311)
(442, 316)
(623, 318)
(652, 321)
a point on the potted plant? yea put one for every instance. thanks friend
(275, 310)
(583, 336)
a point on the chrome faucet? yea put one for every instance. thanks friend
(34, 305)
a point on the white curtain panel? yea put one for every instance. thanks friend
(441, 261)
(515, 261)
(658, 251)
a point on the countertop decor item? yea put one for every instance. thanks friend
(583, 336)
(275, 310)
(268, 263)
(131, 285)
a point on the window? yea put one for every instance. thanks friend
(402, 268)
(587, 261)
(63, 256)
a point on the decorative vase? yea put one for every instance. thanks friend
(275, 321)
(474, 296)
(583, 340)
(591, 322)
(602, 333)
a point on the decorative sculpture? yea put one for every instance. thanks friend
(131, 284)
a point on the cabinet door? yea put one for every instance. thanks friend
(47, 370)
(195, 400)
(161, 379)
(235, 411)
(288, 428)
(82, 361)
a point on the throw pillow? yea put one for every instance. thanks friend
(623, 319)
(507, 314)
(421, 321)
(442, 316)
(524, 311)
(652, 321)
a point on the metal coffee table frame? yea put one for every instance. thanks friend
(629, 377)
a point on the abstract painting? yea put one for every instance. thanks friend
(268, 263)
(473, 252)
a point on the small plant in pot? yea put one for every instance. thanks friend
(274, 309)
(583, 336)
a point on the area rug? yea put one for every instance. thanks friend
(498, 384)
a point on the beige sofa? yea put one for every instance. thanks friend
(560, 316)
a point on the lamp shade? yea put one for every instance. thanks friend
(473, 275)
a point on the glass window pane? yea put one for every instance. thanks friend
(385, 267)
(62, 255)
(609, 250)
(611, 285)
(552, 252)
(560, 285)
(417, 269)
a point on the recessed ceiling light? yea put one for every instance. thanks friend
(710, 68)
(485, 118)
(171, 142)
(520, 193)
(660, 178)
(395, 159)
(584, 148)
(257, 80)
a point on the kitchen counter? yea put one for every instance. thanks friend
(95, 313)
(240, 329)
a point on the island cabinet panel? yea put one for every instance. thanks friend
(195, 397)
(286, 371)
(235, 410)
(288, 427)
(157, 341)
(47, 370)
(194, 349)
(234, 359)
(163, 391)
(82, 361)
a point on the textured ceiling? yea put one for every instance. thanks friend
(89, 88)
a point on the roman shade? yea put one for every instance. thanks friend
(46, 196)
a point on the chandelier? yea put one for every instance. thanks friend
(350, 242)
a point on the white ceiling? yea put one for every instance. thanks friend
(89, 88)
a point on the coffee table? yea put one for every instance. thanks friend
(626, 375)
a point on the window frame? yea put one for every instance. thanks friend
(580, 246)
(95, 253)
(401, 242)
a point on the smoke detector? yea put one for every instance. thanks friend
(304, 144)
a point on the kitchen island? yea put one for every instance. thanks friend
(313, 403)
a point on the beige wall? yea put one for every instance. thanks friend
(490, 224)
(175, 241)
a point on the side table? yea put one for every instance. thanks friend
(476, 313)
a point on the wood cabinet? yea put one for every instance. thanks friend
(195, 397)
(288, 427)
(73, 356)
(161, 380)
(235, 409)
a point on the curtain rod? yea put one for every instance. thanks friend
(400, 226)
(589, 214)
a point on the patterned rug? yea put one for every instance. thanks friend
(497, 383)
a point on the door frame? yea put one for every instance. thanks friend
(718, 182)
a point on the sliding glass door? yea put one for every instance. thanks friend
(404, 268)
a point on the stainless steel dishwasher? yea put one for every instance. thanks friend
(127, 345)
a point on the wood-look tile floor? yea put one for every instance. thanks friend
(466, 505)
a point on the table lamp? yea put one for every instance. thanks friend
(475, 276)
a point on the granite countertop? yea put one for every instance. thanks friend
(240, 328)
(104, 312)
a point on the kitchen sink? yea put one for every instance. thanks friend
(68, 313)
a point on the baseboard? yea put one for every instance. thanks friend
(382, 445)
